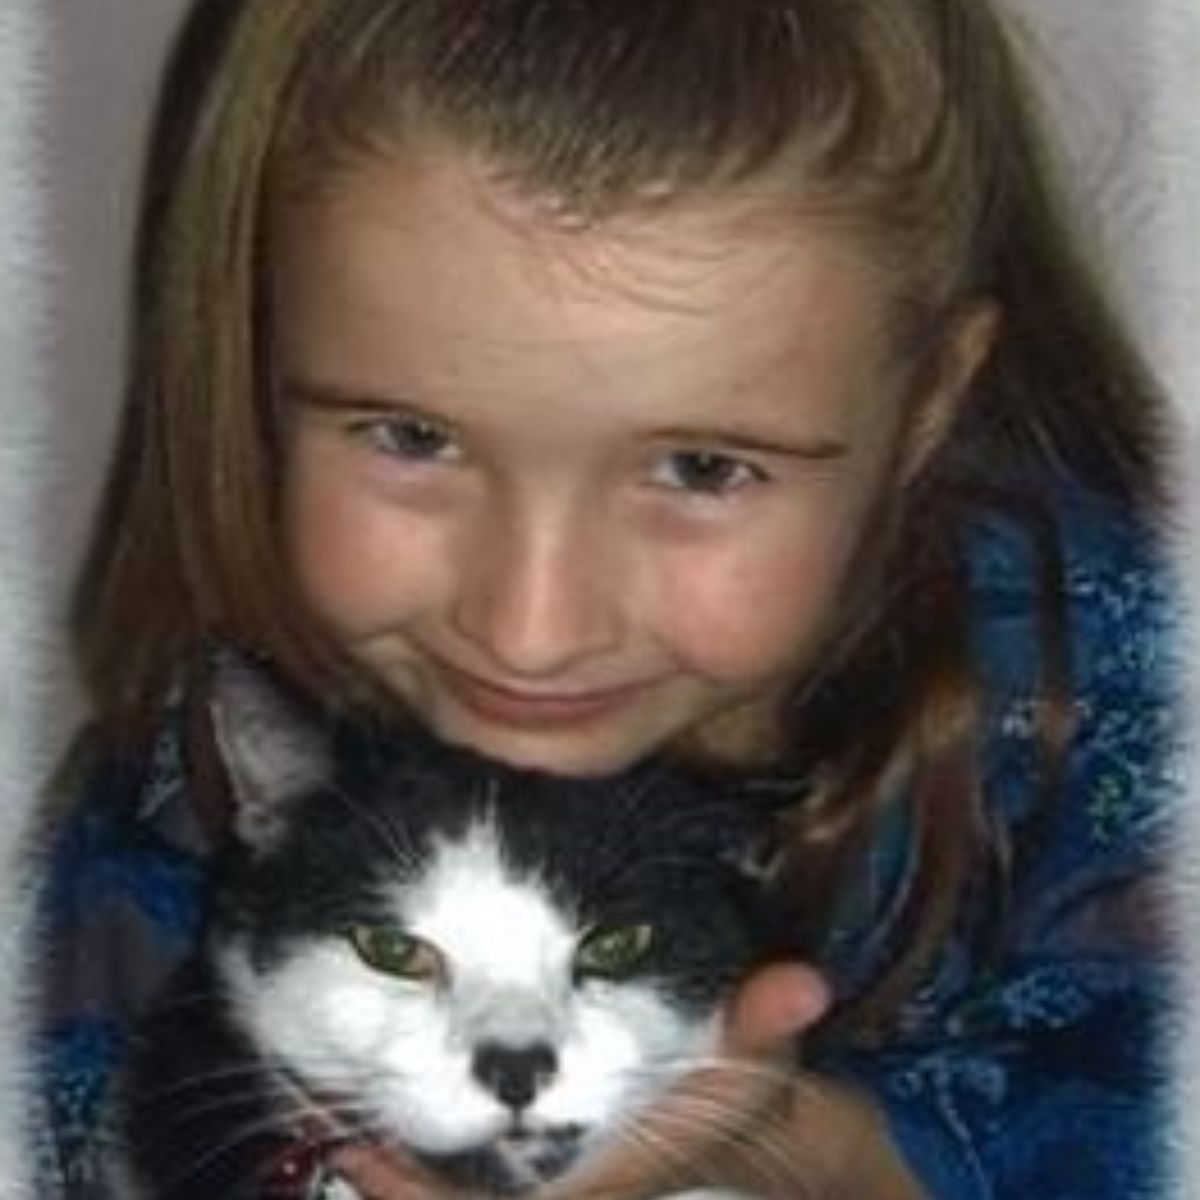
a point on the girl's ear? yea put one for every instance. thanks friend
(273, 752)
(971, 337)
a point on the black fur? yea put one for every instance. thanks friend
(658, 843)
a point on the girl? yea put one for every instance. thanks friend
(594, 379)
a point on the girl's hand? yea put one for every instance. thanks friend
(377, 1174)
(753, 1124)
(749, 1123)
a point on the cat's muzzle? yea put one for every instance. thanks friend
(518, 1161)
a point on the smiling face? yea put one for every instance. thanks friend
(574, 491)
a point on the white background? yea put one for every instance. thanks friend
(1123, 76)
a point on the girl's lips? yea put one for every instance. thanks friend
(529, 710)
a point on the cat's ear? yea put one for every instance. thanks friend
(764, 882)
(273, 751)
(761, 857)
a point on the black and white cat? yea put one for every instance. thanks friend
(493, 968)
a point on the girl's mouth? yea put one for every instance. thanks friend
(519, 708)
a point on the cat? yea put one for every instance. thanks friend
(493, 968)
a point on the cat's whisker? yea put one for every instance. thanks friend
(350, 1116)
(673, 1141)
(391, 836)
(229, 1073)
(764, 1070)
(295, 1110)
(187, 1114)
(678, 1066)
(266, 1090)
(238, 1136)
(674, 1162)
(695, 1120)
(659, 824)
(277, 1090)
(177, 1001)
(351, 1122)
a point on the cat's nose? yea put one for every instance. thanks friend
(514, 1074)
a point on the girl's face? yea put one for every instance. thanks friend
(575, 490)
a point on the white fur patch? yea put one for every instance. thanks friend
(406, 1049)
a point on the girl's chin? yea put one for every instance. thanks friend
(612, 738)
(559, 750)
(592, 740)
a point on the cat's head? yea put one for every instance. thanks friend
(493, 967)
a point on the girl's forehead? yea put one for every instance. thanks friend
(446, 206)
(411, 255)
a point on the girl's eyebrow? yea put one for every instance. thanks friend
(733, 437)
(327, 395)
(727, 437)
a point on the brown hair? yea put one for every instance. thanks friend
(908, 118)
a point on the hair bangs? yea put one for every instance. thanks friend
(609, 104)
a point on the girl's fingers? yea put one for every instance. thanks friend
(716, 1106)
(735, 1109)
(803, 1137)
(379, 1175)
(667, 1148)
(773, 1006)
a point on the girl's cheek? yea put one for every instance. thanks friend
(756, 612)
(353, 556)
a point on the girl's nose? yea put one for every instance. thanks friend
(540, 595)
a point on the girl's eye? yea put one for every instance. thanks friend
(408, 437)
(707, 472)
(613, 951)
(394, 952)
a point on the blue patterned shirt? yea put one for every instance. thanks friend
(1031, 1073)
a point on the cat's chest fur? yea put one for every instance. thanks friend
(494, 969)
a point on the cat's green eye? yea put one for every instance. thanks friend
(390, 950)
(613, 951)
